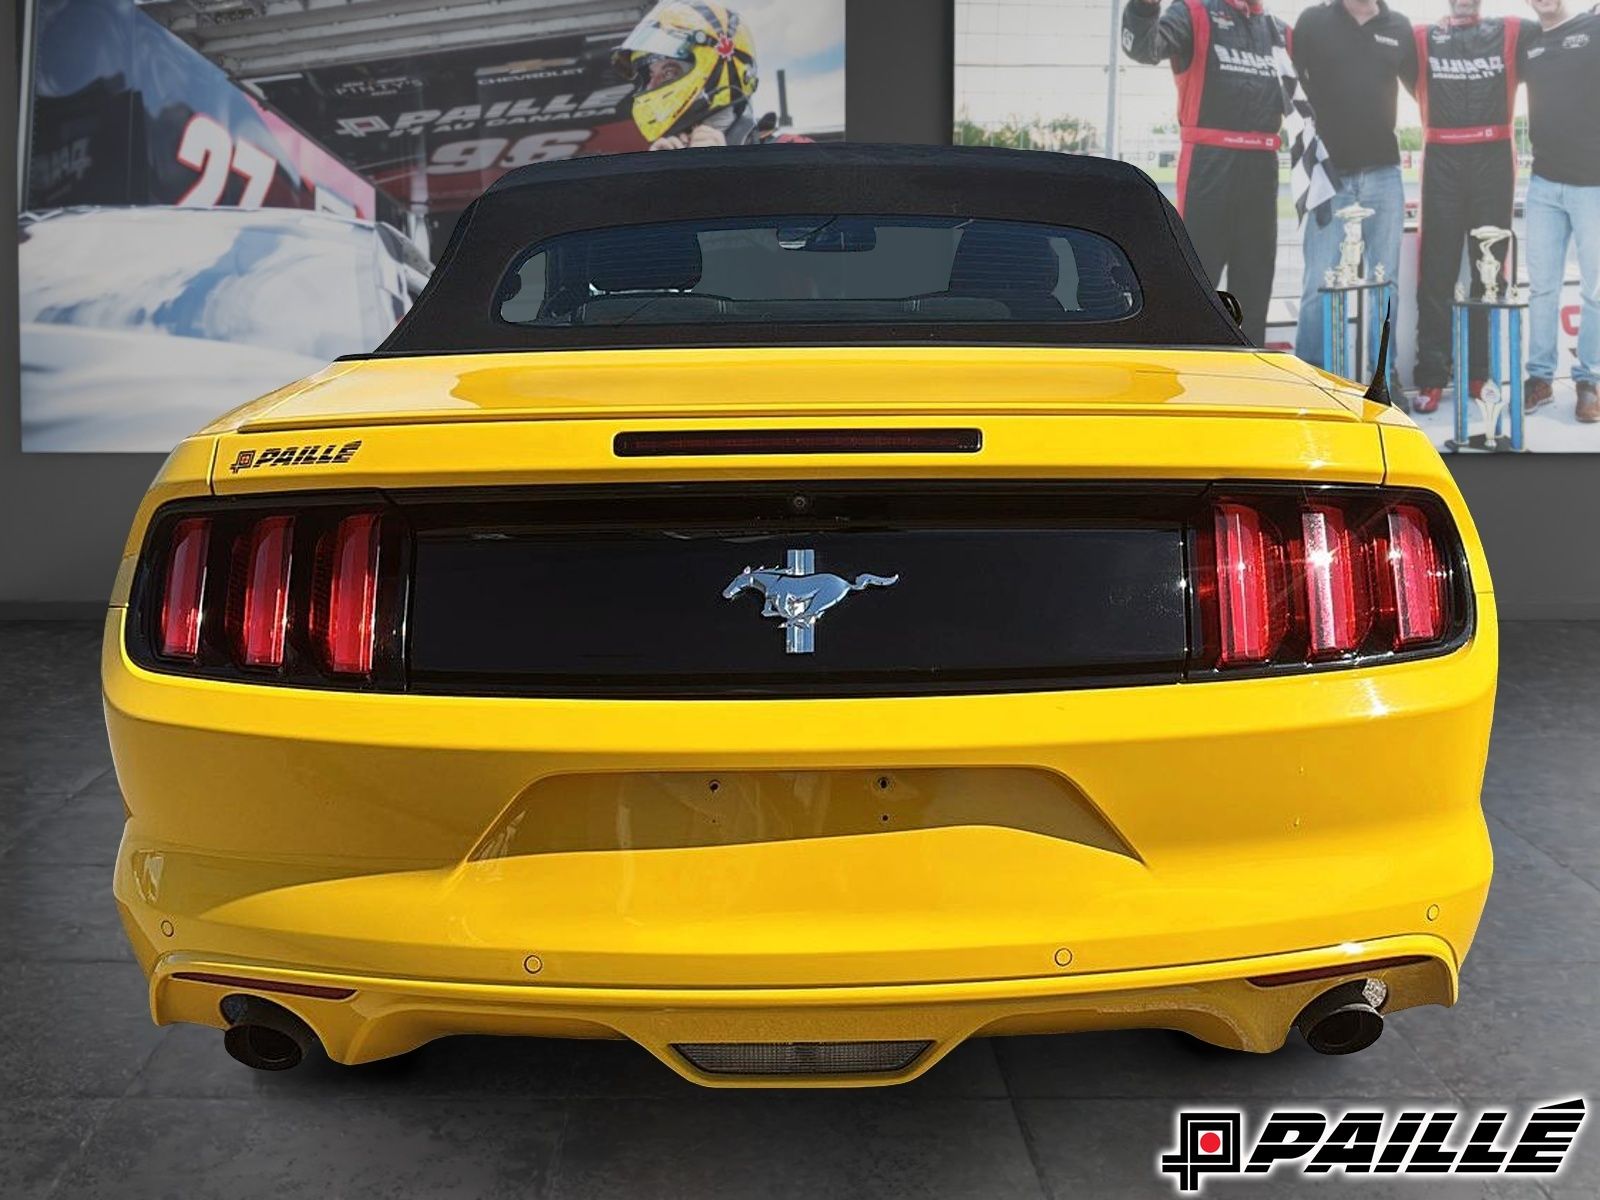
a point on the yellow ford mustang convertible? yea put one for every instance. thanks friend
(798, 609)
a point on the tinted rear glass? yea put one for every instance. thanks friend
(841, 269)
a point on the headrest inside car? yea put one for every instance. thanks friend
(992, 262)
(644, 260)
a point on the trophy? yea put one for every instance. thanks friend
(1488, 237)
(1491, 403)
(1351, 249)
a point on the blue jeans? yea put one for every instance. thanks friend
(1559, 213)
(1380, 189)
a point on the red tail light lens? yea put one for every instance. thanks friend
(1415, 577)
(349, 629)
(264, 603)
(184, 592)
(1249, 597)
(302, 598)
(1338, 609)
(1365, 574)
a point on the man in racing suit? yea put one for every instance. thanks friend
(1466, 84)
(1230, 107)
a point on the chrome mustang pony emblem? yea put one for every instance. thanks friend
(799, 596)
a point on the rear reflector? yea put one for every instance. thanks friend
(802, 1058)
(264, 604)
(316, 991)
(1418, 583)
(1283, 978)
(1246, 590)
(184, 592)
(668, 443)
(350, 624)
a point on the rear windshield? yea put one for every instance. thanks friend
(820, 270)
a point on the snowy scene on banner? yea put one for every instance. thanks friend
(217, 202)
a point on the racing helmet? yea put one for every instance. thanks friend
(688, 59)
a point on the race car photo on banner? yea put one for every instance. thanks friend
(213, 205)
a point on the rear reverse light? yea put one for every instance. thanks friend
(184, 590)
(1363, 573)
(263, 607)
(348, 629)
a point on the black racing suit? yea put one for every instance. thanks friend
(1466, 80)
(1230, 106)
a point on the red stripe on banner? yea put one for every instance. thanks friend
(1420, 32)
(1512, 28)
(1185, 155)
(1466, 134)
(1233, 139)
(1184, 160)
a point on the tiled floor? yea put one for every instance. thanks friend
(96, 1101)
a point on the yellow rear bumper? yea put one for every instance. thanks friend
(1213, 1001)
(1054, 861)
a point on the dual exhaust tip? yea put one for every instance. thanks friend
(268, 1037)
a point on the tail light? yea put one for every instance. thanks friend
(1413, 577)
(1249, 578)
(313, 597)
(1288, 577)
(314, 591)
(184, 587)
(344, 611)
(260, 600)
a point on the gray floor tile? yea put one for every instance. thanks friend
(1516, 1033)
(83, 830)
(73, 1029)
(40, 1139)
(1537, 908)
(307, 1149)
(1566, 826)
(1541, 767)
(57, 764)
(1157, 1063)
(21, 811)
(802, 1145)
(51, 912)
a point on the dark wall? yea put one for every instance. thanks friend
(63, 516)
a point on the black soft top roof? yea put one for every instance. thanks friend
(456, 312)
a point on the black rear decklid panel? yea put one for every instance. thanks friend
(619, 593)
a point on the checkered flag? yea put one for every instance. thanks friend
(1312, 181)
